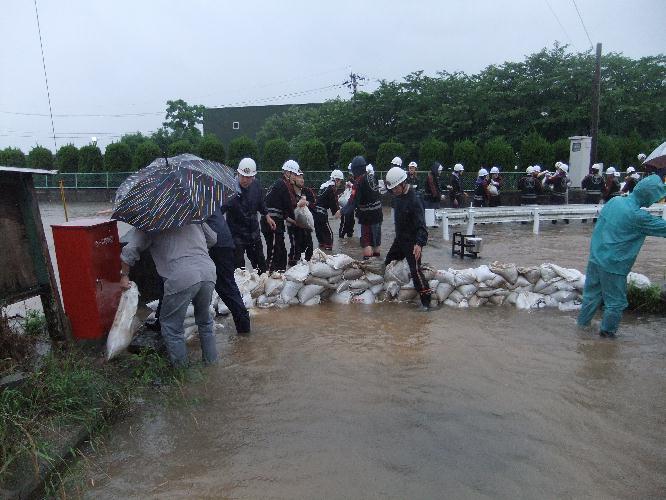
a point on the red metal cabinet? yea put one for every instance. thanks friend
(88, 255)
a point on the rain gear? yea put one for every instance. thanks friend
(616, 241)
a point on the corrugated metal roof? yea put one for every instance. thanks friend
(21, 170)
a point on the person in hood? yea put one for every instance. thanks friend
(327, 199)
(616, 241)
(365, 199)
(432, 195)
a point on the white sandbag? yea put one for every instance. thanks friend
(485, 293)
(483, 273)
(464, 276)
(342, 287)
(341, 298)
(303, 216)
(463, 304)
(343, 199)
(299, 272)
(579, 284)
(530, 300)
(522, 282)
(322, 270)
(359, 285)
(294, 301)
(567, 274)
(496, 300)
(290, 290)
(123, 327)
(497, 282)
(640, 281)
(512, 298)
(335, 279)
(569, 306)
(373, 278)
(273, 286)
(314, 301)
(565, 296)
(540, 285)
(309, 291)
(191, 333)
(467, 290)
(564, 285)
(366, 297)
(339, 261)
(397, 270)
(407, 294)
(248, 301)
(392, 288)
(428, 272)
(476, 301)
(222, 308)
(550, 289)
(549, 301)
(432, 285)
(153, 305)
(318, 255)
(547, 272)
(528, 288)
(455, 296)
(507, 271)
(314, 280)
(265, 301)
(444, 276)
(503, 292)
(352, 273)
(377, 289)
(450, 303)
(531, 274)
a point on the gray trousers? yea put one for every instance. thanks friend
(172, 316)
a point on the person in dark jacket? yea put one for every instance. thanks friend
(223, 255)
(347, 221)
(300, 238)
(559, 183)
(630, 180)
(241, 212)
(593, 183)
(280, 203)
(495, 188)
(455, 187)
(611, 187)
(432, 195)
(529, 186)
(481, 194)
(366, 201)
(411, 234)
(327, 199)
(412, 178)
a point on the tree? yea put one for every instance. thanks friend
(180, 147)
(387, 151)
(144, 155)
(90, 159)
(608, 151)
(467, 152)
(276, 152)
(348, 150)
(67, 158)
(117, 158)
(498, 152)
(430, 151)
(561, 149)
(12, 157)
(133, 141)
(40, 157)
(312, 156)
(242, 147)
(535, 150)
(210, 148)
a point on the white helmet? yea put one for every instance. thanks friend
(596, 166)
(349, 167)
(412, 164)
(337, 174)
(440, 168)
(483, 172)
(292, 166)
(537, 168)
(557, 164)
(397, 161)
(458, 167)
(631, 170)
(641, 157)
(394, 176)
(494, 170)
(617, 174)
(610, 171)
(529, 169)
(563, 167)
(247, 167)
(369, 168)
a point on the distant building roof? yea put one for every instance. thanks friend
(22, 170)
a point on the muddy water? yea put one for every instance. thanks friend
(384, 402)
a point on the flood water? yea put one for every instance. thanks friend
(383, 402)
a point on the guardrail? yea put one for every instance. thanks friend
(531, 213)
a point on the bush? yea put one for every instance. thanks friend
(347, 151)
(242, 147)
(608, 151)
(312, 156)
(117, 158)
(387, 151)
(144, 155)
(630, 146)
(133, 141)
(467, 152)
(430, 151)
(498, 152)
(90, 159)
(210, 148)
(535, 150)
(40, 157)
(180, 147)
(561, 150)
(12, 157)
(67, 158)
(276, 152)
(645, 300)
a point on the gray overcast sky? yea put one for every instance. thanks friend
(130, 56)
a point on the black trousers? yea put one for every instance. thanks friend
(255, 252)
(346, 226)
(495, 201)
(300, 241)
(276, 251)
(323, 231)
(405, 250)
(227, 289)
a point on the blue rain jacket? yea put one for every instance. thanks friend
(622, 227)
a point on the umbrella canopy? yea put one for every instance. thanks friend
(173, 192)
(657, 158)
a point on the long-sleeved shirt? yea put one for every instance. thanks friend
(409, 219)
(241, 212)
(281, 200)
(180, 254)
(218, 223)
(327, 199)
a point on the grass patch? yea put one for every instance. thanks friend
(647, 300)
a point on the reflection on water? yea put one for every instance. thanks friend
(382, 401)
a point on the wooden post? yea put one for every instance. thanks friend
(535, 227)
(596, 92)
(445, 227)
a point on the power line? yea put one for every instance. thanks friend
(560, 23)
(46, 79)
(581, 22)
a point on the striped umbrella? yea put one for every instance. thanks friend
(173, 192)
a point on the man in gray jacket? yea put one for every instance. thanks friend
(182, 261)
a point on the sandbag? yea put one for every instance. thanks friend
(476, 301)
(190, 333)
(303, 216)
(579, 284)
(308, 291)
(318, 255)
(522, 282)
(290, 290)
(507, 271)
(397, 270)
(445, 277)
(640, 281)
(565, 296)
(428, 272)
(464, 276)
(248, 301)
(456, 296)
(342, 287)
(374, 278)
(450, 303)
(333, 280)
(374, 265)
(530, 300)
(377, 289)
(366, 297)
(273, 286)
(314, 280)
(496, 300)
(343, 199)
(123, 327)
(497, 282)
(531, 274)
(485, 293)
(265, 301)
(547, 272)
(566, 286)
(359, 285)
(569, 306)
(339, 261)
(567, 274)
(392, 288)
(222, 308)
(407, 294)
(299, 272)
(512, 297)
(341, 297)
(294, 301)
(463, 304)
(352, 273)
(322, 270)
(483, 273)
(467, 290)
(314, 301)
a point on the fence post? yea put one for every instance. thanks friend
(76, 181)
(107, 180)
(470, 221)
(535, 227)
(445, 227)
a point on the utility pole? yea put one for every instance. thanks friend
(596, 92)
(353, 82)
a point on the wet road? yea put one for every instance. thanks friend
(384, 402)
